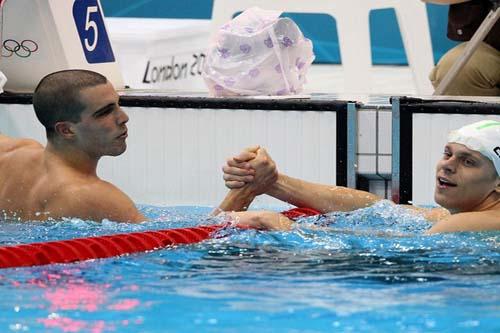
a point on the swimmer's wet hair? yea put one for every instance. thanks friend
(57, 98)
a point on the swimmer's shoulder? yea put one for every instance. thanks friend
(469, 221)
(95, 200)
(432, 215)
(436, 214)
(9, 144)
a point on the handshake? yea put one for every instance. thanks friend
(247, 175)
(252, 170)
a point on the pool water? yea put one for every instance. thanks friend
(372, 270)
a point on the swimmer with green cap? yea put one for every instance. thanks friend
(467, 186)
(483, 136)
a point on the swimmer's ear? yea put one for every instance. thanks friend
(64, 129)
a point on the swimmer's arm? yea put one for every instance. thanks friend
(236, 200)
(471, 221)
(266, 179)
(262, 220)
(323, 198)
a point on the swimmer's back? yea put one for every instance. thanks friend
(21, 167)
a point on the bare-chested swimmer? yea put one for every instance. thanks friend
(467, 186)
(83, 121)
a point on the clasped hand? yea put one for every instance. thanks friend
(253, 169)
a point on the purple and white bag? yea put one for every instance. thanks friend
(258, 53)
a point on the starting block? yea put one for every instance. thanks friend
(44, 36)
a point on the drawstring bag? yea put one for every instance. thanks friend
(258, 53)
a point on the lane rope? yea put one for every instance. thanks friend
(97, 247)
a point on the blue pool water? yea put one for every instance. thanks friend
(368, 271)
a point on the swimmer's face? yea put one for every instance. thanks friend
(465, 180)
(102, 129)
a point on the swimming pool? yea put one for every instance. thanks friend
(370, 271)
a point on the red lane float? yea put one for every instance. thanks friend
(299, 212)
(79, 249)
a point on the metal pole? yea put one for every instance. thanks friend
(396, 173)
(473, 44)
(352, 144)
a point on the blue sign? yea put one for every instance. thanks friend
(90, 25)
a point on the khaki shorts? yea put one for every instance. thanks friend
(479, 77)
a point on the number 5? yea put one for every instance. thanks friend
(91, 25)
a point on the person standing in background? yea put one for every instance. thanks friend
(481, 74)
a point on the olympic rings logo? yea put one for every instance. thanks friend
(23, 49)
